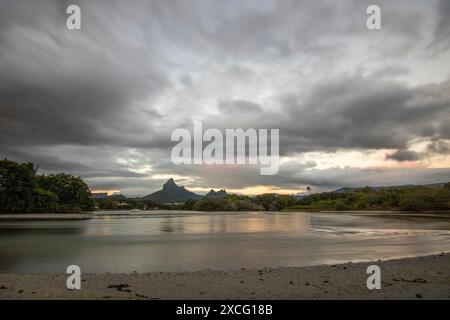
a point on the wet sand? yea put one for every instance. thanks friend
(408, 278)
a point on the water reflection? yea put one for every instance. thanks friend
(176, 241)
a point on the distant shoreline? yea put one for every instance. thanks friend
(45, 216)
(425, 277)
(91, 215)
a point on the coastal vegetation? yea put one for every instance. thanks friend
(408, 198)
(120, 203)
(23, 190)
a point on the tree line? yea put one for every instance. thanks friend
(23, 190)
(413, 198)
(408, 198)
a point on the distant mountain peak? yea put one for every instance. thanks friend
(216, 194)
(170, 184)
(172, 193)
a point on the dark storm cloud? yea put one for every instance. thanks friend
(350, 113)
(389, 71)
(50, 160)
(367, 113)
(404, 155)
(442, 30)
(298, 175)
(70, 87)
(102, 102)
(276, 30)
(62, 87)
(438, 146)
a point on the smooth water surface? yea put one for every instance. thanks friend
(147, 241)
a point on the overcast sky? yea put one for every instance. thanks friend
(354, 107)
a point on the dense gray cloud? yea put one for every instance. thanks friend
(293, 177)
(349, 112)
(438, 146)
(102, 102)
(442, 31)
(404, 155)
(60, 87)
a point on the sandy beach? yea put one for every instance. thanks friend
(425, 277)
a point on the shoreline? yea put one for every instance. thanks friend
(45, 216)
(423, 277)
(92, 215)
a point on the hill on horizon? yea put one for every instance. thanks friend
(353, 189)
(173, 193)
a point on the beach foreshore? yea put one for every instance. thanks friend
(115, 214)
(425, 277)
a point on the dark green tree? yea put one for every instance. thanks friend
(73, 193)
(17, 185)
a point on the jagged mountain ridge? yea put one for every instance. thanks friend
(216, 194)
(172, 193)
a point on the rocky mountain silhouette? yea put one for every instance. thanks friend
(173, 193)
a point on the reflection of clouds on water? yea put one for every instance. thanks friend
(233, 223)
(177, 241)
(250, 223)
(32, 246)
(378, 233)
(376, 236)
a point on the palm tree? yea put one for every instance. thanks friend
(308, 188)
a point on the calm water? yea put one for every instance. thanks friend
(177, 241)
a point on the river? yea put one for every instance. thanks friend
(145, 241)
